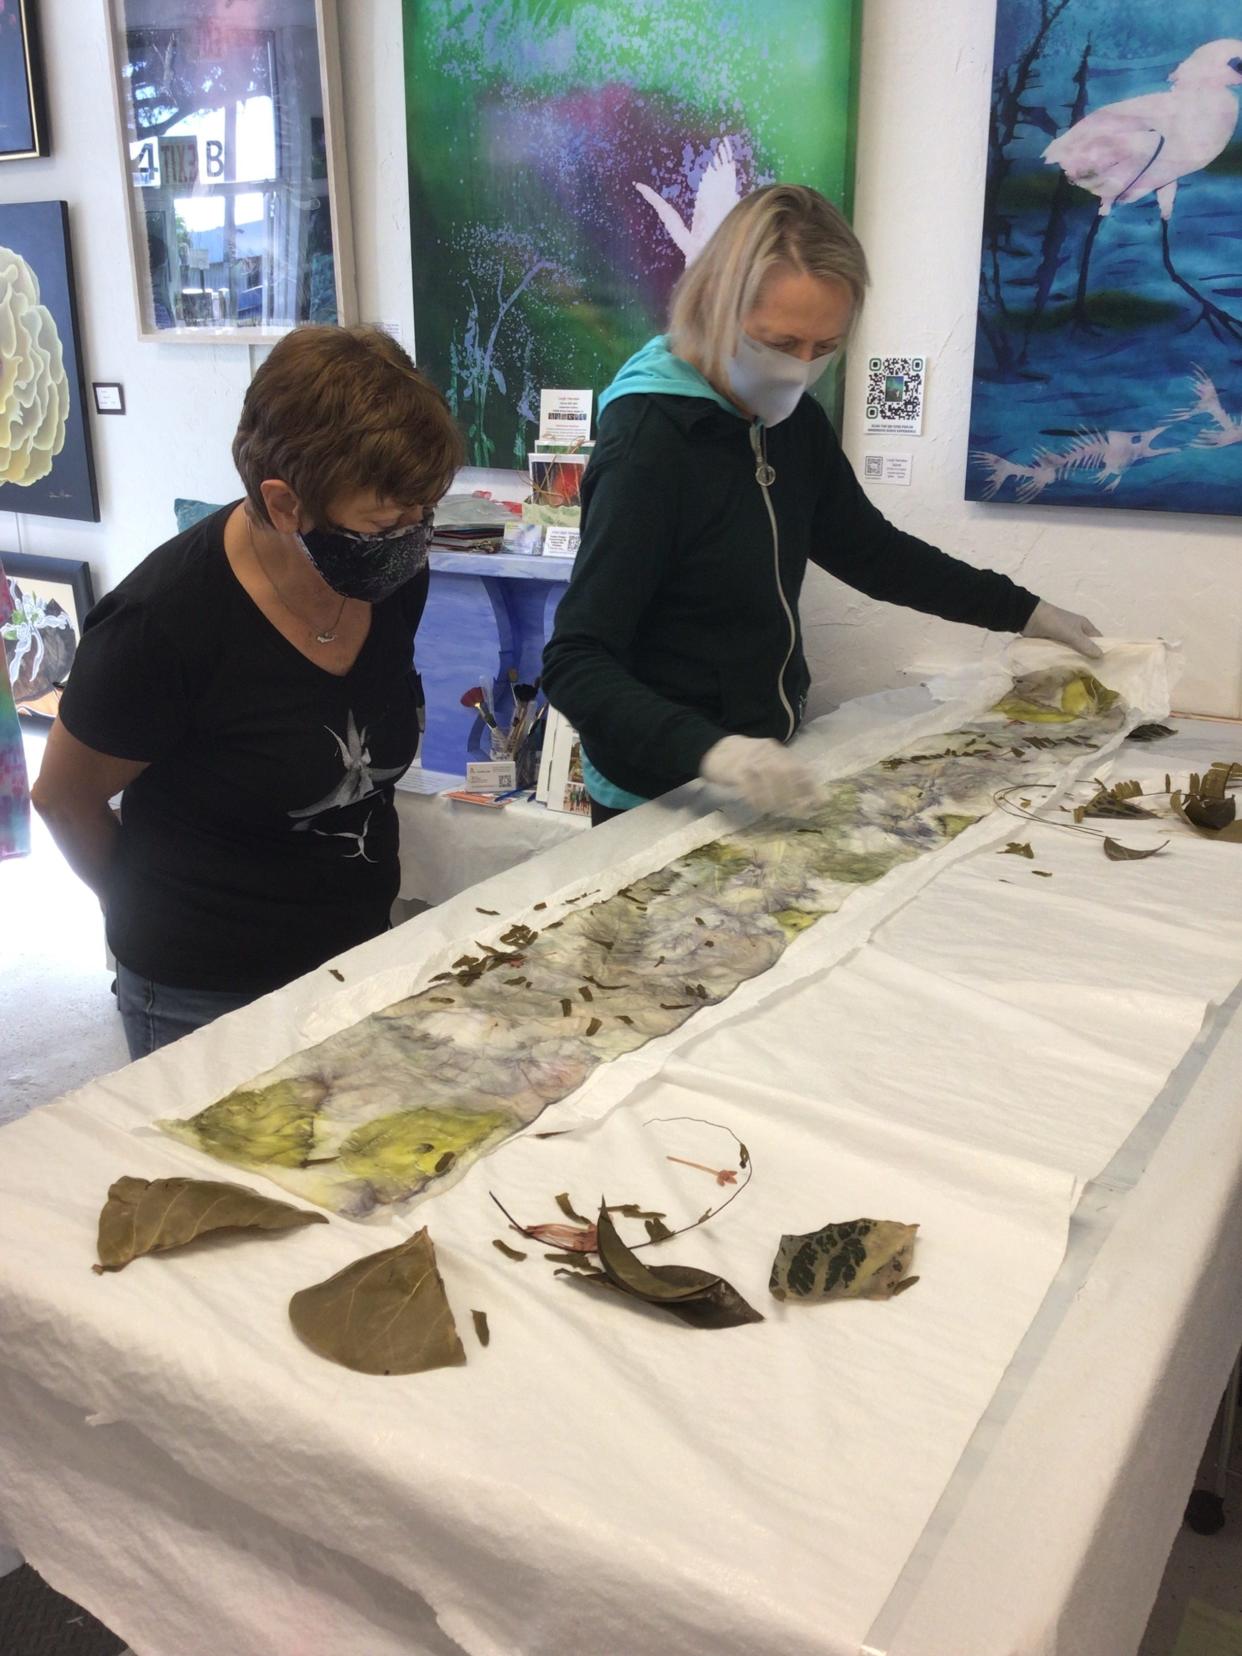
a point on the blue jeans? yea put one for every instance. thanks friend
(155, 1014)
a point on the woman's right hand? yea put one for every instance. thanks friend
(760, 771)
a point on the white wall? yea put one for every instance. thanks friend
(925, 85)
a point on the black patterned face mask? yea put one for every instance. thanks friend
(370, 567)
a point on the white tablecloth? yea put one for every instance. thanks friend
(600, 1481)
(448, 846)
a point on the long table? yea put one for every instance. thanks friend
(996, 1461)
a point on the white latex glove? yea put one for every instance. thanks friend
(761, 772)
(1063, 627)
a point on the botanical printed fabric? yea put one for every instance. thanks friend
(383, 1109)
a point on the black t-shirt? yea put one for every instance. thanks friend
(262, 838)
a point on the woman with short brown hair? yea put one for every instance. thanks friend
(250, 691)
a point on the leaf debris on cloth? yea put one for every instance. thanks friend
(509, 1253)
(143, 1216)
(853, 1259)
(699, 1298)
(484, 1333)
(567, 1208)
(658, 1231)
(339, 976)
(385, 1314)
(1116, 852)
(1043, 873)
(1014, 849)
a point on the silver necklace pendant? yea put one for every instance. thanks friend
(325, 638)
(765, 475)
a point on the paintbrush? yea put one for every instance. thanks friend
(476, 699)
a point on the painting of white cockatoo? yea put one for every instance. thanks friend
(1111, 265)
(717, 195)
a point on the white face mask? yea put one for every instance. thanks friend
(769, 382)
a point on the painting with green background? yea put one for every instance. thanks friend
(566, 159)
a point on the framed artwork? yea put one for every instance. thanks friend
(23, 109)
(567, 159)
(1110, 287)
(46, 464)
(49, 599)
(229, 114)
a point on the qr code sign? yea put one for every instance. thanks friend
(895, 393)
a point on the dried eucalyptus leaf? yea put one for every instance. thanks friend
(1150, 732)
(1115, 852)
(697, 1297)
(1214, 814)
(509, 1253)
(658, 1231)
(143, 1216)
(385, 1314)
(484, 1333)
(1013, 849)
(1043, 873)
(567, 1208)
(855, 1259)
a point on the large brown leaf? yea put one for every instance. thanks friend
(699, 1298)
(385, 1314)
(144, 1216)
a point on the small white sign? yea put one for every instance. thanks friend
(565, 416)
(895, 394)
(491, 775)
(559, 542)
(887, 468)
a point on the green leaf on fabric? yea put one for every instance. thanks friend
(273, 1124)
(399, 1152)
(143, 1216)
(854, 1259)
(385, 1314)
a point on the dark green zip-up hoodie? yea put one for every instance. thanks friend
(680, 623)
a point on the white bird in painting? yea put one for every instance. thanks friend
(1112, 453)
(1207, 401)
(715, 199)
(1031, 480)
(1130, 149)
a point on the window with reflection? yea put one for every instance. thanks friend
(223, 101)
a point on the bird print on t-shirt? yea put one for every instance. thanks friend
(360, 840)
(360, 781)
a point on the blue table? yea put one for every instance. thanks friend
(486, 613)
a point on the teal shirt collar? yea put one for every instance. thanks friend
(654, 369)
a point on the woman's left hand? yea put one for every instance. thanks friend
(1063, 627)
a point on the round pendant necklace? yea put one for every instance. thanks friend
(328, 634)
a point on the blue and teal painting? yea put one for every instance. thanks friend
(1108, 356)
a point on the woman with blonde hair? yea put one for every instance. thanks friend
(249, 689)
(677, 650)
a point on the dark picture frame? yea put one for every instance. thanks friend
(24, 130)
(51, 598)
(48, 467)
(99, 388)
